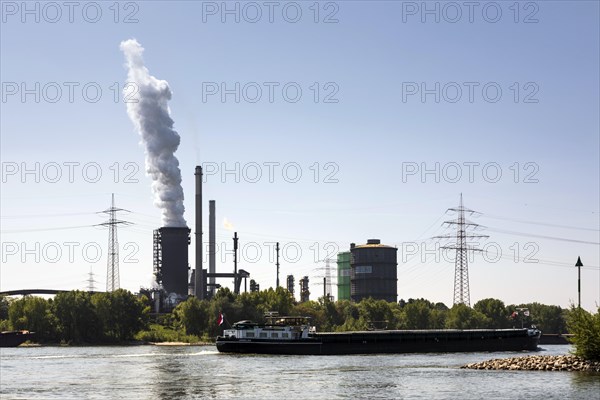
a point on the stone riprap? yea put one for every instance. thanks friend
(538, 363)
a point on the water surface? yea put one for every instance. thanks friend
(199, 372)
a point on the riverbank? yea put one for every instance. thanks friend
(538, 363)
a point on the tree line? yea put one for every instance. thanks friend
(77, 317)
(120, 316)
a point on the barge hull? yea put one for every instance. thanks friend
(14, 338)
(390, 342)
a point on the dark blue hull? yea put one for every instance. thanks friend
(14, 338)
(381, 342)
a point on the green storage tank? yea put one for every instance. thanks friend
(343, 275)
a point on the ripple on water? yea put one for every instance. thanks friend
(190, 372)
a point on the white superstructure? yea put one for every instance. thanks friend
(275, 328)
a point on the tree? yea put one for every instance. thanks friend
(586, 328)
(548, 318)
(33, 314)
(314, 310)
(278, 300)
(417, 315)
(76, 317)
(375, 313)
(4, 305)
(120, 314)
(193, 315)
(462, 316)
(495, 311)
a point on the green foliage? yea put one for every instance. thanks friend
(120, 314)
(314, 310)
(77, 321)
(462, 316)
(4, 304)
(417, 315)
(78, 317)
(193, 315)
(547, 318)
(158, 333)
(586, 328)
(5, 325)
(495, 311)
(33, 314)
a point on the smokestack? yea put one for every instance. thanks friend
(235, 248)
(277, 263)
(211, 243)
(199, 284)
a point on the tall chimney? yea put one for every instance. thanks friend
(211, 243)
(198, 284)
(235, 273)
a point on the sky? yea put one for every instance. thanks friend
(318, 124)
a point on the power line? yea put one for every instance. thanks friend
(543, 236)
(522, 221)
(60, 228)
(44, 215)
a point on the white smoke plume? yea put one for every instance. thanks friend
(149, 112)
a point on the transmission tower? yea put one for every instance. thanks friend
(91, 281)
(461, 267)
(327, 277)
(112, 267)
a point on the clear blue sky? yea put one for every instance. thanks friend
(382, 64)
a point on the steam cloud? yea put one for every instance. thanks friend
(149, 112)
(227, 225)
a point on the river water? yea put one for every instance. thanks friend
(158, 372)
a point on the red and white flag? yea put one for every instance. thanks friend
(220, 320)
(526, 313)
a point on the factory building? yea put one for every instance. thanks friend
(343, 276)
(373, 271)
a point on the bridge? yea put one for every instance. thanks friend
(25, 292)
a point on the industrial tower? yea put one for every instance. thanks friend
(461, 271)
(112, 267)
(327, 288)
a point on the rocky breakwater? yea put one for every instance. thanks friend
(538, 363)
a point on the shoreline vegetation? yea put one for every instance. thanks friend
(122, 318)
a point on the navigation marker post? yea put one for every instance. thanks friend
(579, 264)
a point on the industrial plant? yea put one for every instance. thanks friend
(366, 270)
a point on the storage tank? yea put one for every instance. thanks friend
(373, 271)
(343, 276)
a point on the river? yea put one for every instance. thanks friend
(161, 372)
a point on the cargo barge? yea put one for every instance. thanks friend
(14, 338)
(294, 335)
